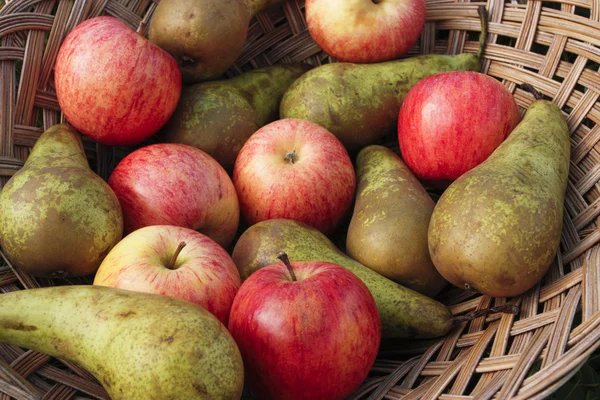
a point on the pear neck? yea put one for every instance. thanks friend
(60, 145)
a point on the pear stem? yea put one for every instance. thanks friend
(171, 264)
(529, 88)
(291, 156)
(483, 15)
(285, 259)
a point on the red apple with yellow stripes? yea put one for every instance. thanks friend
(173, 261)
(365, 31)
(294, 169)
(306, 330)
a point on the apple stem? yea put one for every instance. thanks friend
(483, 14)
(285, 259)
(529, 88)
(171, 264)
(291, 156)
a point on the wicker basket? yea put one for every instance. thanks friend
(553, 45)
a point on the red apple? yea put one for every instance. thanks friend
(112, 84)
(173, 261)
(310, 332)
(294, 169)
(365, 31)
(451, 122)
(176, 184)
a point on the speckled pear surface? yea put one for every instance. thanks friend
(404, 313)
(57, 217)
(388, 230)
(497, 228)
(359, 103)
(139, 346)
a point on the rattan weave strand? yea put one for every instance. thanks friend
(552, 45)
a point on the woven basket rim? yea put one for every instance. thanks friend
(552, 45)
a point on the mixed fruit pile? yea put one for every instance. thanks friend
(184, 307)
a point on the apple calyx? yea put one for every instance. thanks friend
(171, 264)
(285, 259)
(291, 157)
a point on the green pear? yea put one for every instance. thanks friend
(360, 103)
(57, 217)
(218, 117)
(388, 230)
(497, 228)
(139, 346)
(404, 313)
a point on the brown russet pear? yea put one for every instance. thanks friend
(205, 37)
(57, 217)
(497, 228)
(404, 313)
(218, 117)
(360, 103)
(139, 346)
(388, 230)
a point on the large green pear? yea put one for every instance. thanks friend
(388, 230)
(360, 103)
(139, 346)
(497, 228)
(218, 117)
(57, 217)
(404, 313)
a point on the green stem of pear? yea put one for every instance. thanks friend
(483, 15)
(285, 259)
(171, 264)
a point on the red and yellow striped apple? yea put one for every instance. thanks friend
(176, 184)
(451, 122)
(365, 31)
(173, 261)
(294, 169)
(307, 331)
(112, 84)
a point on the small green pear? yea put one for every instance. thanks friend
(218, 117)
(497, 228)
(388, 230)
(139, 346)
(57, 217)
(404, 313)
